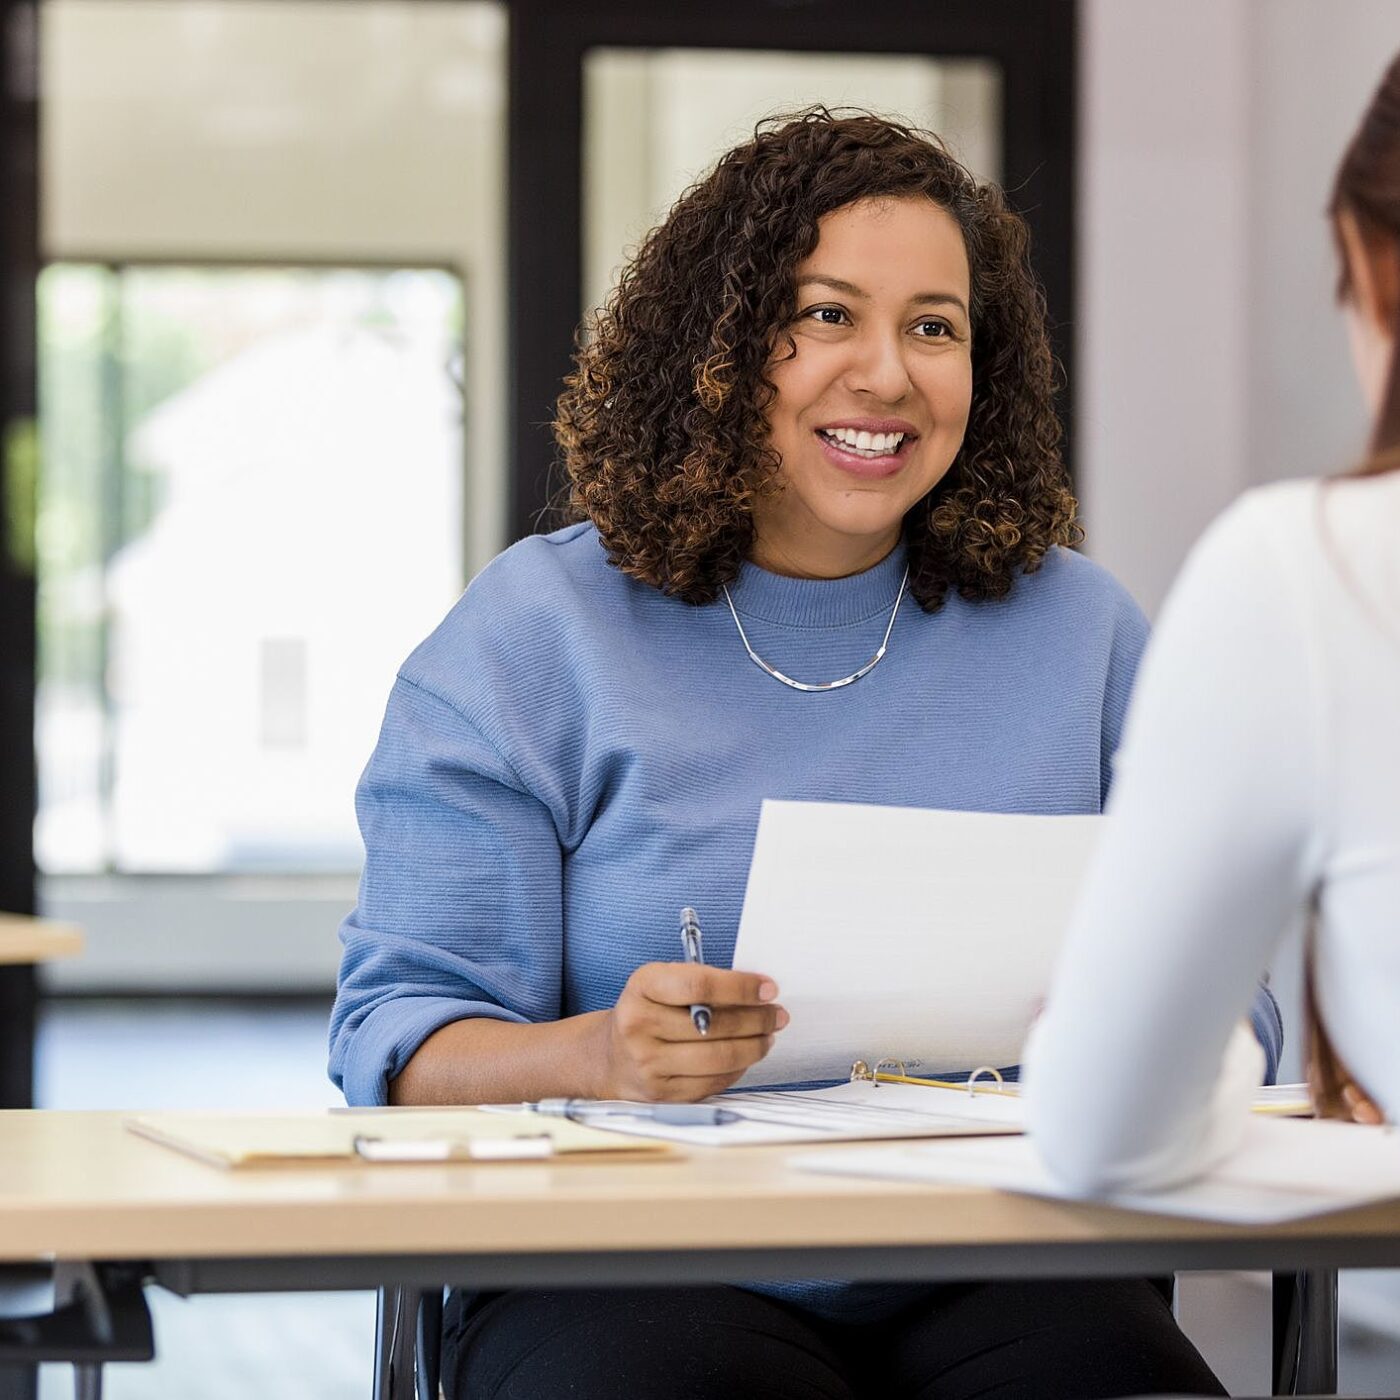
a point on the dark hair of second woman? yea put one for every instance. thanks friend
(1367, 188)
(663, 424)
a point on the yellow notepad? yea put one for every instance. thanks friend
(398, 1135)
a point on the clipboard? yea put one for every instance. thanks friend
(394, 1135)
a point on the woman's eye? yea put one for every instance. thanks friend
(826, 315)
(934, 330)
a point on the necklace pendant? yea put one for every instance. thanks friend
(811, 687)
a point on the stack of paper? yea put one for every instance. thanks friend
(864, 1111)
(1287, 1169)
(841, 1113)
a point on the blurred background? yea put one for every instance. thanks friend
(287, 288)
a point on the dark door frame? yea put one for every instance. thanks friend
(19, 266)
(1033, 42)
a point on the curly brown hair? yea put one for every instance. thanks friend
(663, 423)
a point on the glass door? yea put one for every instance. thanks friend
(654, 120)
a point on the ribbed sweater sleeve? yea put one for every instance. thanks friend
(1129, 642)
(459, 912)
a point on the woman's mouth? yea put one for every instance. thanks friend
(865, 453)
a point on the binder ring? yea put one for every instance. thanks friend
(862, 1073)
(980, 1070)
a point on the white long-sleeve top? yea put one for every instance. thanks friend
(1259, 777)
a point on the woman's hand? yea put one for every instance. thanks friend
(1350, 1102)
(650, 1050)
(1347, 1100)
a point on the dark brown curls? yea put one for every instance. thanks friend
(663, 427)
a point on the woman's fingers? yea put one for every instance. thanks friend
(649, 1044)
(687, 984)
(726, 1022)
(1362, 1109)
(705, 1059)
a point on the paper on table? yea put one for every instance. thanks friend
(841, 1113)
(869, 1112)
(242, 1140)
(927, 936)
(1286, 1169)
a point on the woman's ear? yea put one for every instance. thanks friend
(1373, 274)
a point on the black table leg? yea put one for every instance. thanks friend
(395, 1340)
(19, 996)
(18, 999)
(19, 1382)
(1305, 1333)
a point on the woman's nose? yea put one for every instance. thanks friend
(878, 368)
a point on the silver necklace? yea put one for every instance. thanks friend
(819, 685)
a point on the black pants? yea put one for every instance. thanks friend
(1037, 1340)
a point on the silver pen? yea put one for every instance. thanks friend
(693, 1115)
(694, 953)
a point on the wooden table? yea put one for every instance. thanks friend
(25, 942)
(77, 1187)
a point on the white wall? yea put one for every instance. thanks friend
(1316, 68)
(1211, 356)
(1161, 378)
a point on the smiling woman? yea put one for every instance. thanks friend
(830, 274)
(823, 385)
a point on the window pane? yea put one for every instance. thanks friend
(256, 475)
(275, 233)
(656, 119)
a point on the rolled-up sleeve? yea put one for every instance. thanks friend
(460, 904)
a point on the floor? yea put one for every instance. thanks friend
(185, 1054)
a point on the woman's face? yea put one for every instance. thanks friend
(872, 407)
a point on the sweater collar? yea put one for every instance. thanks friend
(819, 602)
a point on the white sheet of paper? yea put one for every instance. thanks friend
(851, 1113)
(1286, 1169)
(840, 1113)
(925, 936)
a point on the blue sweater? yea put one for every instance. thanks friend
(572, 756)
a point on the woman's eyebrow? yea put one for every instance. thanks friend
(938, 299)
(835, 283)
(850, 289)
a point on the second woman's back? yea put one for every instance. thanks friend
(1259, 778)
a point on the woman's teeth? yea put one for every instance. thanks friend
(864, 444)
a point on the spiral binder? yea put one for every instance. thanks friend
(862, 1073)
